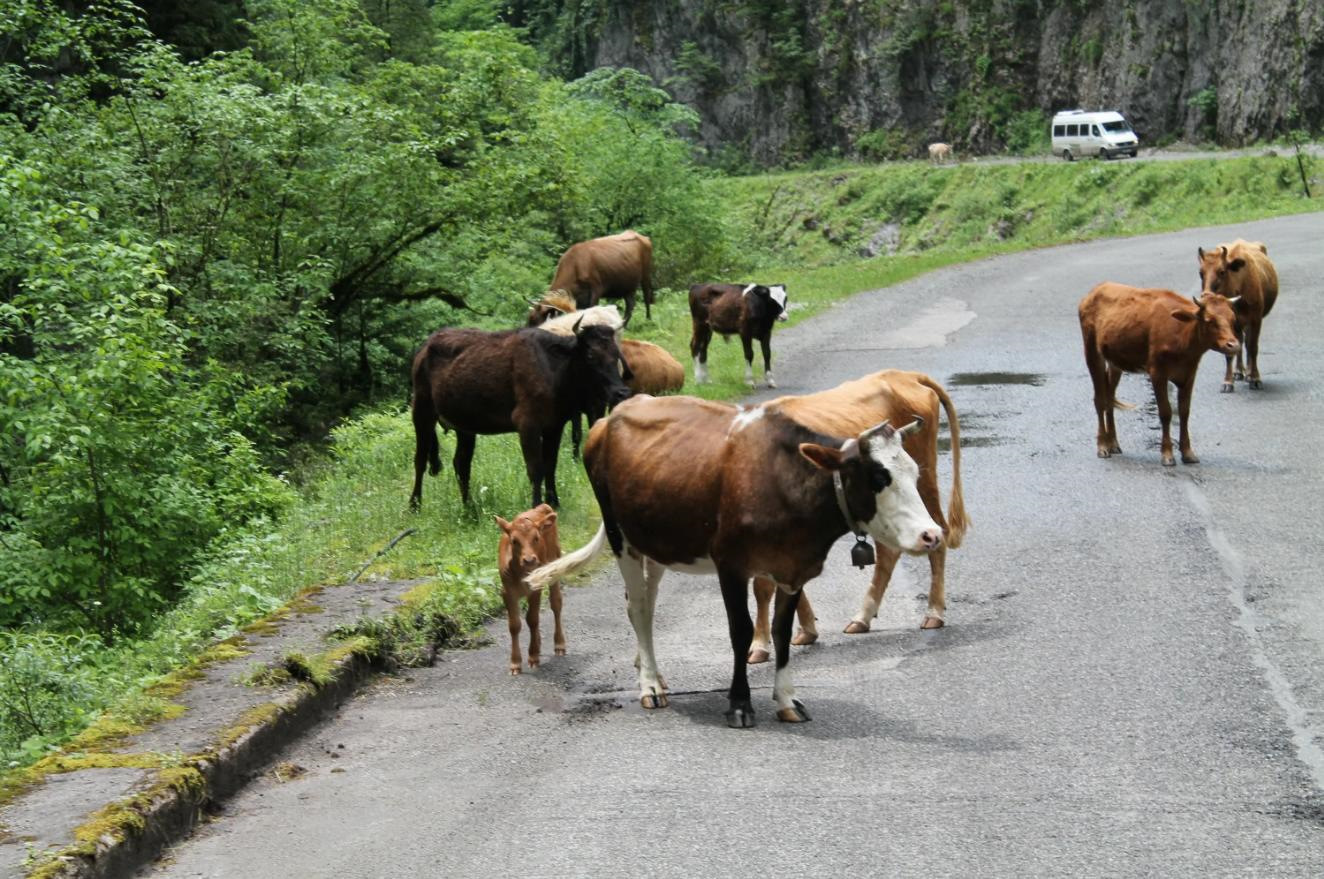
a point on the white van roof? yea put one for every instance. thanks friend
(1089, 115)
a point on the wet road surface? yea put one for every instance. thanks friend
(1130, 682)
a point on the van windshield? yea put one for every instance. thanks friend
(1119, 126)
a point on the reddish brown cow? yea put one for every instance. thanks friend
(612, 267)
(705, 487)
(901, 398)
(653, 369)
(747, 309)
(1243, 271)
(1129, 329)
(515, 381)
(527, 542)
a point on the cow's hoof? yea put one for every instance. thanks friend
(740, 717)
(534, 662)
(1228, 388)
(855, 627)
(1189, 458)
(515, 669)
(1105, 453)
(560, 651)
(797, 713)
(1256, 385)
(1239, 376)
(653, 700)
(932, 622)
(750, 384)
(803, 638)
(771, 383)
(757, 655)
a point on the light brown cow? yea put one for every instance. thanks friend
(706, 487)
(940, 153)
(652, 368)
(612, 267)
(1130, 329)
(527, 542)
(902, 398)
(1242, 269)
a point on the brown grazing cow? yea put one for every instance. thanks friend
(612, 267)
(901, 398)
(747, 309)
(527, 542)
(653, 369)
(514, 381)
(706, 487)
(1129, 329)
(1242, 269)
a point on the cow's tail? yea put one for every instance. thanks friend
(957, 520)
(1122, 404)
(570, 563)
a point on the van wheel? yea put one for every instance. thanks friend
(1066, 154)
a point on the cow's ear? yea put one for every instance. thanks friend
(505, 526)
(1237, 264)
(545, 509)
(1200, 251)
(1183, 316)
(822, 457)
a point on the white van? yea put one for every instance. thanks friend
(1084, 133)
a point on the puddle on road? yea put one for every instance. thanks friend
(973, 433)
(970, 379)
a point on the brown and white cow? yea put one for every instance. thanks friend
(901, 398)
(612, 267)
(1130, 329)
(747, 309)
(704, 487)
(528, 541)
(1243, 271)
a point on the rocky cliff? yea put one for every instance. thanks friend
(780, 81)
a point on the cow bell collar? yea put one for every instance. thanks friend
(861, 554)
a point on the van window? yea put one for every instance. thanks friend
(1094, 130)
(1071, 131)
(1059, 130)
(1119, 126)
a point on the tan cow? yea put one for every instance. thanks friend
(940, 153)
(902, 398)
(652, 368)
(612, 267)
(527, 542)
(707, 487)
(1242, 270)
(1157, 332)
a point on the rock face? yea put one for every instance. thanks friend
(780, 81)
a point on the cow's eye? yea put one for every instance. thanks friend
(879, 479)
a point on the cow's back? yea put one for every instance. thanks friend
(718, 305)
(476, 379)
(1262, 276)
(614, 265)
(654, 370)
(1128, 325)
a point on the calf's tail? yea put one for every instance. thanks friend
(1122, 404)
(570, 563)
(957, 520)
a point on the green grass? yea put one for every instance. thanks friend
(357, 502)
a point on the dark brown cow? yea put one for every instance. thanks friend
(612, 268)
(1129, 329)
(901, 398)
(699, 486)
(747, 309)
(1243, 271)
(653, 369)
(528, 541)
(526, 381)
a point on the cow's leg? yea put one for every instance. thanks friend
(535, 634)
(882, 575)
(1184, 391)
(699, 339)
(463, 461)
(576, 436)
(1160, 384)
(647, 284)
(652, 693)
(808, 632)
(512, 621)
(551, 447)
(933, 619)
(426, 448)
(1102, 399)
(1251, 345)
(735, 595)
(747, 342)
(629, 307)
(765, 342)
(1229, 375)
(761, 646)
(1114, 377)
(554, 598)
(789, 708)
(1242, 330)
(530, 445)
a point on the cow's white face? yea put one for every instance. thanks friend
(778, 294)
(901, 522)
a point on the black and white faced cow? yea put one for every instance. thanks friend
(747, 309)
(704, 487)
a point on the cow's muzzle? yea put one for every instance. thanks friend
(1231, 348)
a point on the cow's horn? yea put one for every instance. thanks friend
(913, 427)
(1198, 302)
(1234, 300)
(576, 327)
(1200, 250)
(885, 428)
(1223, 249)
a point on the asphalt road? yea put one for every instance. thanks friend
(1130, 682)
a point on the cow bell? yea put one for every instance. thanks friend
(861, 554)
